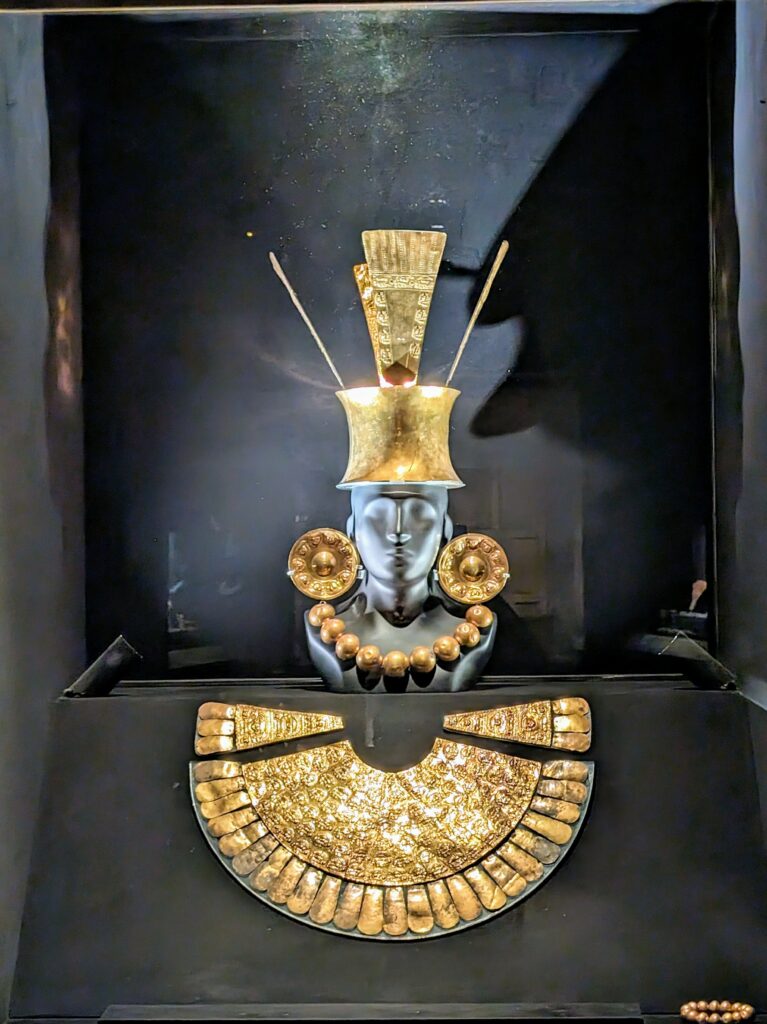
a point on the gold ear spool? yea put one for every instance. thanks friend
(473, 568)
(323, 563)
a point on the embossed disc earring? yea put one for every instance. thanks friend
(472, 568)
(323, 563)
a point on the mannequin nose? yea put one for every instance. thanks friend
(398, 536)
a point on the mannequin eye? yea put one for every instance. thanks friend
(421, 512)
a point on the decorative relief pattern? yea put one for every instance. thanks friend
(323, 563)
(519, 723)
(396, 286)
(473, 568)
(391, 828)
(564, 723)
(226, 727)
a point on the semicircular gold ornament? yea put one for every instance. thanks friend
(473, 568)
(327, 839)
(323, 563)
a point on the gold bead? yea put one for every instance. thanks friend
(368, 658)
(422, 659)
(319, 612)
(395, 663)
(467, 634)
(702, 1018)
(713, 1005)
(347, 646)
(725, 1004)
(726, 1017)
(701, 1004)
(331, 629)
(714, 1018)
(481, 617)
(447, 648)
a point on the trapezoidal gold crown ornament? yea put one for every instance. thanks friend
(399, 431)
(399, 471)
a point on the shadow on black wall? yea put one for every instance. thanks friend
(609, 269)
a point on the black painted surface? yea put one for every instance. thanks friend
(664, 895)
(378, 1011)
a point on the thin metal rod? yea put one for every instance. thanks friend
(500, 257)
(304, 316)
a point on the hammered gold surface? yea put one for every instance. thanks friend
(258, 727)
(402, 268)
(368, 300)
(399, 435)
(323, 563)
(392, 828)
(473, 568)
(518, 723)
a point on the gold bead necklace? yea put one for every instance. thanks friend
(369, 658)
(715, 1011)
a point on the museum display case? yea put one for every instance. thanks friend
(401, 411)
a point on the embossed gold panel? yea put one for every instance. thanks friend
(225, 727)
(391, 828)
(396, 291)
(563, 723)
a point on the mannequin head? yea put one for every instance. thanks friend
(399, 529)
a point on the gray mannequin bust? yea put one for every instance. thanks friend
(399, 530)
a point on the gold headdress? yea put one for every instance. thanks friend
(398, 431)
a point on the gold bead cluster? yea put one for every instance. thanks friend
(396, 663)
(716, 1010)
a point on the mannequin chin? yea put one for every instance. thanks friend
(399, 530)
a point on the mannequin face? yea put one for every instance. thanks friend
(398, 531)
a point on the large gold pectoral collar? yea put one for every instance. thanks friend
(332, 841)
